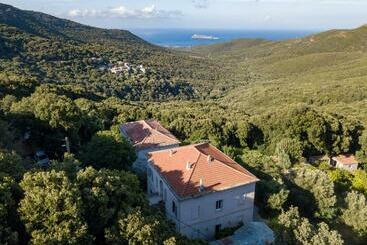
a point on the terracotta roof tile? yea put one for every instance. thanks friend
(220, 173)
(346, 159)
(147, 133)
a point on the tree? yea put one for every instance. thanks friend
(7, 208)
(284, 160)
(325, 236)
(248, 134)
(11, 164)
(138, 227)
(322, 188)
(56, 110)
(105, 194)
(291, 220)
(108, 149)
(6, 135)
(261, 162)
(6, 103)
(277, 200)
(146, 227)
(299, 230)
(341, 178)
(355, 213)
(70, 165)
(51, 209)
(291, 147)
(359, 181)
(362, 152)
(135, 228)
(91, 120)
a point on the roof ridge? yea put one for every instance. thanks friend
(156, 130)
(192, 173)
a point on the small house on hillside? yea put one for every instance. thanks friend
(147, 136)
(201, 189)
(347, 162)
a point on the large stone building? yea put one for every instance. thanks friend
(147, 136)
(202, 189)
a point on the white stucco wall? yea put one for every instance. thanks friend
(167, 195)
(197, 217)
(350, 167)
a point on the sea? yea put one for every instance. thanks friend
(184, 37)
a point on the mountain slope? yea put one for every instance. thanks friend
(47, 26)
(330, 41)
(74, 59)
(327, 70)
(52, 50)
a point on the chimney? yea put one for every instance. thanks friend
(201, 185)
(210, 159)
(171, 152)
(188, 165)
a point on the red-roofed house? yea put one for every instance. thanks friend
(347, 162)
(203, 189)
(147, 136)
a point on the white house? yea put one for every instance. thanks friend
(147, 136)
(346, 162)
(202, 189)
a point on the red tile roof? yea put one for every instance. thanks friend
(185, 166)
(346, 159)
(147, 134)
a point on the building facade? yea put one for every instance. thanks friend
(202, 190)
(346, 162)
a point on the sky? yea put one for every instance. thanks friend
(210, 14)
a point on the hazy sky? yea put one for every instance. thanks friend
(223, 14)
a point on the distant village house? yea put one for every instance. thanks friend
(121, 67)
(346, 162)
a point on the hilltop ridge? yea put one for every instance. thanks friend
(329, 41)
(48, 26)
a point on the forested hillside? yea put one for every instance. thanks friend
(326, 70)
(269, 105)
(62, 52)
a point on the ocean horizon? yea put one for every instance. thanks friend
(184, 37)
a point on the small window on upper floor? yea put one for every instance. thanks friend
(174, 208)
(219, 205)
(242, 199)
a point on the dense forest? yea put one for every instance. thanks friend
(268, 105)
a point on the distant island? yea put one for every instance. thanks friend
(205, 37)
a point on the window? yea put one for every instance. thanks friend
(174, 208)
(242, 199)
(219, 205)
